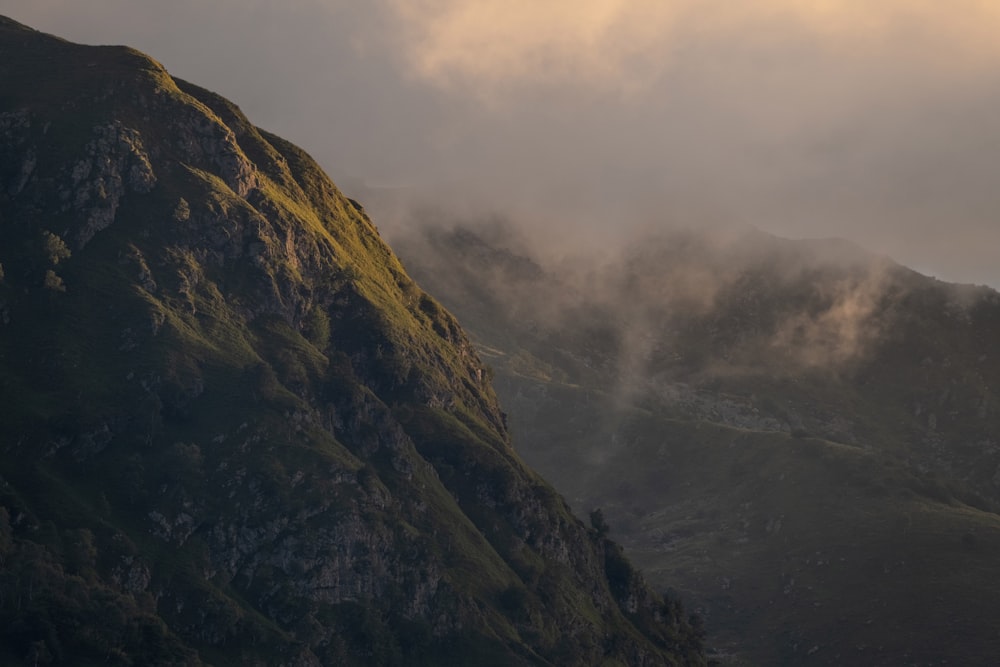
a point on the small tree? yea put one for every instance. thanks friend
(598, 523)
(182, 211)
(53, 282)
(55, 248)
(316, 328)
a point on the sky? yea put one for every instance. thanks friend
(871, 121)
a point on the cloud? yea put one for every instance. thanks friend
(490, 44)
(874, 121)
(488, 47)
(846, 330)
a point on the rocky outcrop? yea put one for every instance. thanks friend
(237, 428)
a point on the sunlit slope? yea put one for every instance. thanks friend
(234, 431)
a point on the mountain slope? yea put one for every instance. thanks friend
(234, 430)
(799, 437)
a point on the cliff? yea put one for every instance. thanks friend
(234, 430)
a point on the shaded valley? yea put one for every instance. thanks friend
(798, 437)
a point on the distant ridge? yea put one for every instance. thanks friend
(800, 438)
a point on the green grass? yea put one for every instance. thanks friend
(733, 512)
(263, 376)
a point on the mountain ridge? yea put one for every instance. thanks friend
(235, 431)
(800, 444)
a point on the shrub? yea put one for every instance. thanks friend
(55, 247)
(316, 328)
(53, 282)
(182, 211)
(598, 523)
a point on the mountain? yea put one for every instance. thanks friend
(234, 431)
(799, 438)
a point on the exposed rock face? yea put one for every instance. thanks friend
(234, 430)
(114, 160)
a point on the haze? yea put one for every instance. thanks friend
(874, 122)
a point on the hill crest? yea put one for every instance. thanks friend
(235, 431)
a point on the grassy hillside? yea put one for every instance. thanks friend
(234, 430)
(797, 438)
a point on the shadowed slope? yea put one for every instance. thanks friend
(798, 437)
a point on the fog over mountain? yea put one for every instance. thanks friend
(874, 123)
(797, 437)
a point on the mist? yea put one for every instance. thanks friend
(667, 304)
(584, 123)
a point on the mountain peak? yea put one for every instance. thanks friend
(235, 430)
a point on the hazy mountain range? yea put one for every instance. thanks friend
(800, 437)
